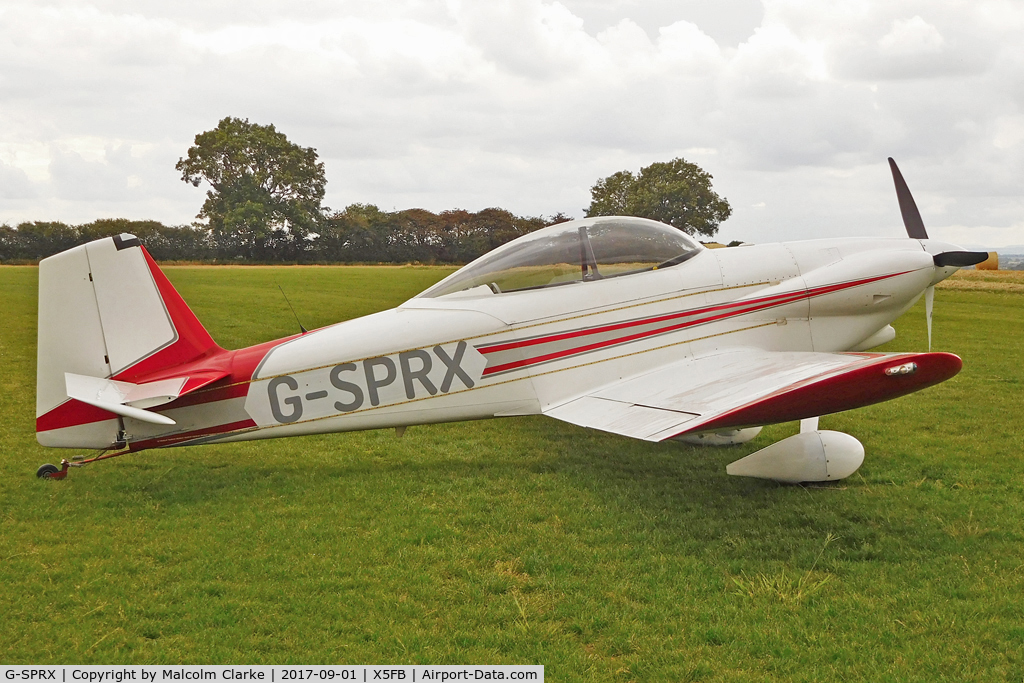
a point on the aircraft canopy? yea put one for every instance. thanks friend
(566, 253)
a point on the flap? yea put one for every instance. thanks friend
(621, 417)
(748, 387)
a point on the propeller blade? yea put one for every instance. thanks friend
(959, 259)
(911, 216)
(929, 303)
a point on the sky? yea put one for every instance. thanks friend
(791, 105)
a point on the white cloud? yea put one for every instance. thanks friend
(14, 183)
(979, 235)
(1008, 131)
(73, 177)
(913, 36)
(792, 105)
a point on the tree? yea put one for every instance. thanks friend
(674, 192)
(164, 243)
(266, 191)
(39, 239)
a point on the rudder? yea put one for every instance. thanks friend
(105, 311)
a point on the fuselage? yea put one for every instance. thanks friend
(482, 353)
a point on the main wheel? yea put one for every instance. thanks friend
(46, 470)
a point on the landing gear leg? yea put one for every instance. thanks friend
(49, 471)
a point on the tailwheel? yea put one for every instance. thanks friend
(49, 471)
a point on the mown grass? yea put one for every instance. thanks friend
(526, 540)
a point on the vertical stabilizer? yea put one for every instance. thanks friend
(105, 311)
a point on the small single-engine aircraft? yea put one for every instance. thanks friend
(620, 324)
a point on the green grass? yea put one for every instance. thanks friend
(526, 540)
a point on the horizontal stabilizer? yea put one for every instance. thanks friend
(128, 411)
(131, 400)
(88, 389)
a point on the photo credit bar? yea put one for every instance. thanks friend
(362, 673)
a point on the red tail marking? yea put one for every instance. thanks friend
(198, 380)
(236, 368)
(193, 341)
(72, 413)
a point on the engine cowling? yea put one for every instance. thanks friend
(819, 455)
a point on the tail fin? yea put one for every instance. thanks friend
(106, 311)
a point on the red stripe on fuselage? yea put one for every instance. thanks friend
(555, 355)
(730, 310)
(164, 441)
(507, 346)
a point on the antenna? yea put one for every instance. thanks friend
(304, 330)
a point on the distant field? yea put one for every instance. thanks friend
(989, 280)
(526, 540)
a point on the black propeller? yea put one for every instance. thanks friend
(915, 230)
(915, 226)
(959, 259)
(911, 216)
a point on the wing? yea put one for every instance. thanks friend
(748, 387)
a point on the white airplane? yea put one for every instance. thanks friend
(620, 324)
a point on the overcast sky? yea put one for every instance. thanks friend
(792, 105)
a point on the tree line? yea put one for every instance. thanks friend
(264, 205)
(362, 233)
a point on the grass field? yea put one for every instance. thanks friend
(526, 540)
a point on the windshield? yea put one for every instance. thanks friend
(567, 253)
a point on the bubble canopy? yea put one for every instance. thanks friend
(568, 253)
